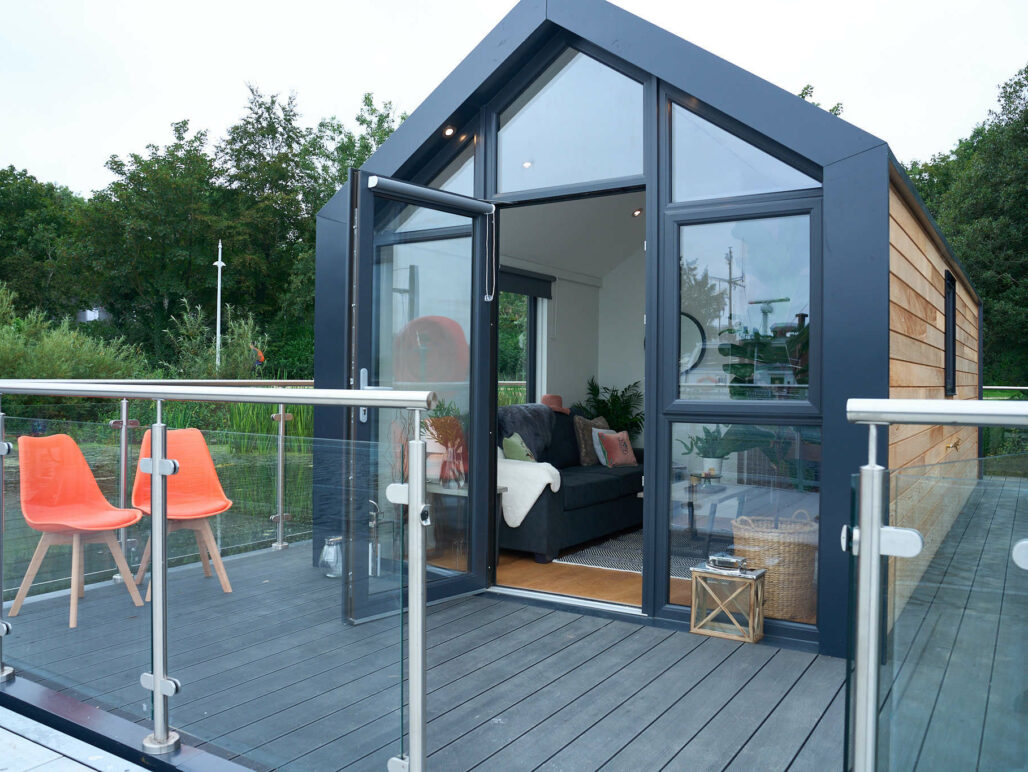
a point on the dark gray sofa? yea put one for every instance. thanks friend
(593, 501)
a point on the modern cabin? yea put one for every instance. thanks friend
(588, 196)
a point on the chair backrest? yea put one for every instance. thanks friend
(196, 480)
(55, 476)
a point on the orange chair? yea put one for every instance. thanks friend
(194, 495)
(60, 498)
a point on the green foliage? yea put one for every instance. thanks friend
(623, 408)
(32, 346)
(708, 445)
(192, 339)
(701, 296)
(38, 241)
(978, 193)
(512, 337)
(757, 351)
(808, 91)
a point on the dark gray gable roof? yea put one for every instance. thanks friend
(808, 131)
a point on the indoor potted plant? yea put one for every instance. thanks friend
(711, 449)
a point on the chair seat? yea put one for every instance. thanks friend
(186, 507)
(65, 519)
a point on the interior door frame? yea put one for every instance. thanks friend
(360, 603)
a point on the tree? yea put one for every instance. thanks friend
(808, 91)
(38, 243)
(152, 235)
(978, 192)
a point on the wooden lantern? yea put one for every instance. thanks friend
(728, 603)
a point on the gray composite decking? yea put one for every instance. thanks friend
(959, 685)
(272, 677)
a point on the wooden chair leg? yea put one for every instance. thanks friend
(144, 563)
(149, 588)
(204, 528)
(76, 579)
(82, 569)
(203, 553)
(30, 573)
(122, 564)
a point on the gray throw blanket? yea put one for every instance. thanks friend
(533, 422)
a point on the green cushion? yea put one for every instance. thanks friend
(515, 448)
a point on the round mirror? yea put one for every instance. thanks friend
(691, 343)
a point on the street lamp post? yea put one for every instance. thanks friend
(217, 336)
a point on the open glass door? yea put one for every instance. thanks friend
(424, 282)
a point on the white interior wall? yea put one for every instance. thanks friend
(622, 300)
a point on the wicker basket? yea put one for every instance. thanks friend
(788, 551)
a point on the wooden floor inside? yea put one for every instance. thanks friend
(274, 679)
(519, 570)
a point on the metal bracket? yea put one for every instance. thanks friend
(167, 687)
(5, 628)
(167, 466)
(278, 416)
(6, 448)
(286, 517)
(116, 424)
(398, 764)
(893, 542)
(398, 493)
(1020, 554)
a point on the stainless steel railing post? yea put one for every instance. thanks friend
(6, 671)
(868, 629)
(418, 519)
(123, 425)
(164, 739)
(280, 480)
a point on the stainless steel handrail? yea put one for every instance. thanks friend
(865, 541)
(957, 412)
(409, 400)
(164, 739)
(297, 383)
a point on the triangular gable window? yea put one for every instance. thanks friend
(708, 162)
(457, 177)
(580, 121)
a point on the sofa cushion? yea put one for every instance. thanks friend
(617, 450)
(630, 478)
(533, 422)
(515, 448)
(584, 435)
(563, 449)
(583, 487)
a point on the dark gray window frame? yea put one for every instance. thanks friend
(775, 205)
(950, 360)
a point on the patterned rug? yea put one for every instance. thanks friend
(624, 552)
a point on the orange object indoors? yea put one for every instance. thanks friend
(60, 498)
(194, 495)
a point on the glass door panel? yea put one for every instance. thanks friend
(421, 307)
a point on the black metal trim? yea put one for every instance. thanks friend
(535, 285)
(950, 339)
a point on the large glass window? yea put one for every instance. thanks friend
(579, 121)
(514, 348)
(745, 309)
(752, 491)
(708, 162)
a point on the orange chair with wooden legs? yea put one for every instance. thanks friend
(60, 498)
(194, 496)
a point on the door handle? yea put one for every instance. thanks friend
(363, 386)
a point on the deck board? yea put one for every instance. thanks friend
(272, 677)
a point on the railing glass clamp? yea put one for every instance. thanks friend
(166, 467)
(398, 764)
(168, 687)
(6, 448)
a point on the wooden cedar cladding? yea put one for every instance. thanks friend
(917, 324)
(927, 499)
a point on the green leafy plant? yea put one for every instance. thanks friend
(623, 408)
(711, 444)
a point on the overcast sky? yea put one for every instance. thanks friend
(84, 80)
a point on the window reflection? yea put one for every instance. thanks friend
(745, 309)
(708, 162)
(751, 491)
(457, 177)
(577, 122)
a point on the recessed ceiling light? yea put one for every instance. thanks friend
(526, 165)
(636, 212)
(449, 131)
